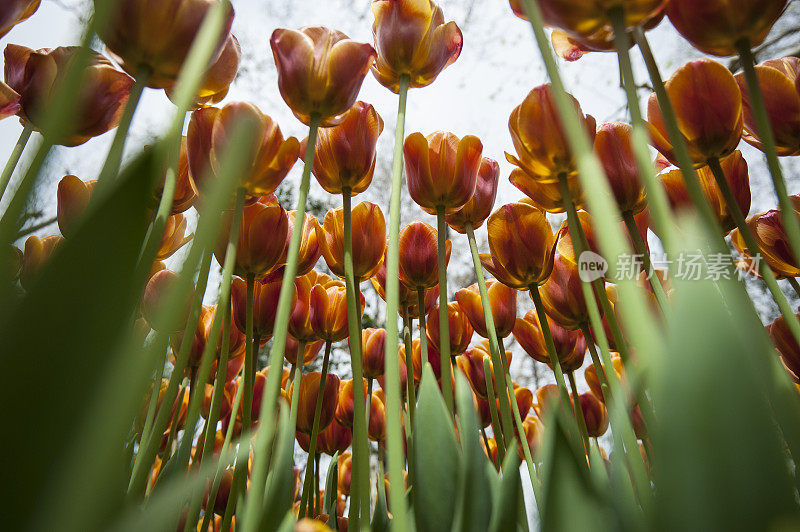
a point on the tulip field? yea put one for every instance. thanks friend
(184, 345)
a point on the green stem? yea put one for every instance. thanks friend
(491, 399)
(548, 340)
(13, 159)
(753, 249)
(423, 328)
(312, 446)
(318, 505)
(444, 321)
(248, 376)
(576, 405)
(411, 399)
(158, 374)
(255, 496)
(767, 138)
(641, 249)
(795, 285)
(494, 344)
(33, 228)
(394, 446)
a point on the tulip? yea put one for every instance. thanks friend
(546, 396)
(345, 470)
(432, 356)
(708, 105)
(344, 160)
(479, 207)
(9, 101)
(15, 11)
(155, 37)
(345, 408)
(310, 350)
(471, 365)
(174, 237)
(185, 194)
(369, 240)
(201, 336)
(735, 169)
(418, 265)
(778, 79)
(716, 26)
(459, 328)
(373, 347)
(35, 75)
(310, 250)
(265, 303)
(524, 398)
(593, 381)
(73, 197)
(614, 147)
(402, 371)
(157, 288)
(769, 233)
(218, 77)
(300, 320)
(377, 418)
(308, 401)
(522, 246)
(328, 311)
(320, 71)
(442, 170)
(335, 438)
(412, 39)
(534, 433)
(232, 369)
(570, 346)
(595, 415)
(268, 159)
(562, 295)
(262, 239)
(503, 302)
(37, 252)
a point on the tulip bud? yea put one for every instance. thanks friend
(471, 365)
(524, 398)
(716, 26)
(310, 250)
(534, 433)
(218, 77)
(502, 301)
(320, 71)
(309, 387)
(442, 170)
(419, 255)
(708, 106)
(328, 311)
(432, 357)
(595, 415)
(73, 197)
(373, 346)
(344, 159)
(369, 239)
(12, 12)
(346, 406)
(546, 396)
(460, 328)
(522, 246)
(408, 298)
(780, 87)
(592, 380)
(614, 147)
(265, 305)
(479, 207)
(99, 104)
(570, 346)
(37, 252)
(143, 35)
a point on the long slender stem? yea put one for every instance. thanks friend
(767, 138)
(158, 374)
(795, 285)
(576, 404)
(25, 231)
(494, 344)
(312, 446)
(360, 441)
(444, 321)
(411, 399)
(394, 446)
(297, 369)
(641, 249)
(247, 377)
(255, 496)
(423, 327)
(13, 159)
(492, 400)
(548, 340)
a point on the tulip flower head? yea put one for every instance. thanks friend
(442, 170)
(373, 348)
(309, 386)
(570, 346)
(562, 296)
(412, 39)
(460, 328)
(311, 350)
(768, 230)
(786, 346)
(614, 147)
(185, 194)
(377, 417)
(369, 239)
(219, 76)
(502, 301)
(36, 253)
(471, 365)
(328, 311)
(35, 75)
(73, 197)
(479, 207)
(157, 288)
(201, 336)
(320, 71)
(300, 319)
(12, 12)
(419, 255)
(595, 415)
(265, 305)
(345, 407)
(408, 297)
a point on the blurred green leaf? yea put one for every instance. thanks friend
(436, 459)
(380, 516)
(280, 482)
(508, 497)
(331, 488)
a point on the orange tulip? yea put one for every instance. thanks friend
(708, 105)
(306, 408)
(13, 12)
(310, 351)
(570, 346)
(502, 301)
(155, 291)
(547, 195)
(262, 239)
(334, 438)
(786, 345)
(412, 39)
(408, 297)
(541, 142)
(442, 170)
(716, 26)
(35, 75)
(460, 328)
(184, 191)
(595, 415)
(73, 197)
(218, 77)
(201, 334)
(37, 252)
(345, 471)
(346, 406)
(174, 237)
(779, 83)
(534, 433)
(546, 396)
(300, 319)
(562, 296)
(328, 308)
(377, 417)
(471, 365)
(767, 228)
(522, 246)
(592, 380)
(614, 147)
(320, 71)
(419, 259)
(265, 305)
(344, 159)
(479, 207)
(572, 47)
(587, 18)
(432, 356)
(402, 371)
(269, 157)
(156, 36)
(373, 346)
(369, 239)
(524, 399)
(735, 169)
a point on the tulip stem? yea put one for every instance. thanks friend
(297, 369)
(753, 249)
(444, 321)
(255, 496)
(795, 285)
(249, 363)
(312, 446)
(411, 399)
(360, 437)
(158, 375)
(576, 405)
(641, 249)
(13, 159)
(394, 446)
(499, 438)
(486, 445)
(114, 158)
(767, 138)
(423, 328)
(494, 345)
